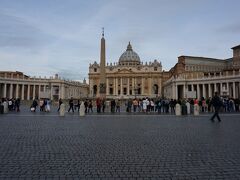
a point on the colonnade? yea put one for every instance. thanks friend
(229, 89)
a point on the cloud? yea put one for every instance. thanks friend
(233, 28)
(16, 32)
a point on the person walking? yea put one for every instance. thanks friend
(217, 104)
(59, 104)
(71, 105)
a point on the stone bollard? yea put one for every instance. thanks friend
(5, 107)
(62, 109)
(188, 108)
(82, 109)
(178, 110)
(196, 110)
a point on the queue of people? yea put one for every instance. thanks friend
(145, 105)
(13, 104)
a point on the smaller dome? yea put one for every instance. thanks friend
(129, 56)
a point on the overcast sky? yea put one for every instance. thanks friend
(44, 37)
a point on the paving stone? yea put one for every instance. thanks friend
(118, 146)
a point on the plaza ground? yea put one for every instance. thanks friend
(46, 146)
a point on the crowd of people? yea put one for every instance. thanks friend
(148, 105)
(145, 105)
(13, 104)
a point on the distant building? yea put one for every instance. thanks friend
(19, 85)
(200, 77)
(127, 78)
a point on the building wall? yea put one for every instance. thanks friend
(18, 85)
(202, 77)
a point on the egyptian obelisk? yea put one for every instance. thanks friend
(102, 84)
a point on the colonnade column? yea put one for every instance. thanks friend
(5, 91)
(34, 89)
(221, 89)
(227, 86)
(215, 87)
(63, 92)
(17, 89)
(176, 95)
(51, 94)
(11, 91)
(23, 92)
(173, 91)
(184, 91)
(204, 91)
(28, 92)
(39, 90)
(198, 91)
(234, 90)
(209, 90)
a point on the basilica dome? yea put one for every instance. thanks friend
(129, 57)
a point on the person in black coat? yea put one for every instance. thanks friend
(217, 104)
(71, 105)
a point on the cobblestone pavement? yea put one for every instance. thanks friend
(119, 147)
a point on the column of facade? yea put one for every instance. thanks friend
(107, 86)
(234, 90)
(150, 86)
(133, 86)
(5, 90)
(121, 86)
(198, 91)
(28, 92)
(11, 91)
(192, 87)
(116, 86)
(142, 90)
(128, 86)
(23, 91)
(17, 89)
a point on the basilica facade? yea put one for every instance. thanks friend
(129, 77)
